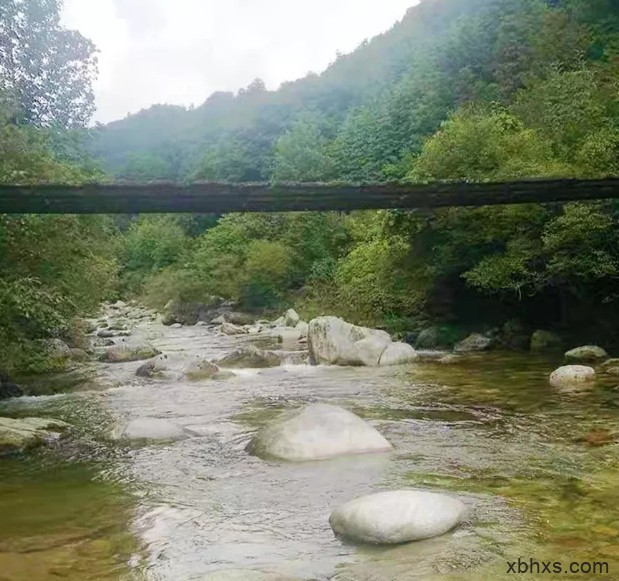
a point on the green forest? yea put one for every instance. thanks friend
(457, 90)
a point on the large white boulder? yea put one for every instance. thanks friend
(370, 350)
(149, 429)
(317, 432)
(400, 516)
(572, 375)
(398, 354)
(303, 328)
(333, 341)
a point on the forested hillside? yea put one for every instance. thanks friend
(475, 90)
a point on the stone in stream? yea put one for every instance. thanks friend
(291, 318)
(125, 353)
(572, 375)
(149, 429)
(317, 432)
(586, 353)
(398, 354)
(474, 342)
(303, 328)
(200, 369)
(609, 363)
(250, 357)
(544, 341)
(155, 367)
(231, 329)
(399, 516)
(25, 433)
(333, 341)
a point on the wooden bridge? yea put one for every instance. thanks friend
(219, 198)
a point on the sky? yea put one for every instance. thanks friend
(180, 51)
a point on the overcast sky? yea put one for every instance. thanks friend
(181, 51)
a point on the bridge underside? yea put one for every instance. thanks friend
(219, 198)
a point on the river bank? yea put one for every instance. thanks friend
(489, 429)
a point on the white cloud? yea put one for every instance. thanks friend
(181, 51)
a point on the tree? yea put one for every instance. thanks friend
(47, 68)
(301, 155)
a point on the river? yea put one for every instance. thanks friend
(490, 430)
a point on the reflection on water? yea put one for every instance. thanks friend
(491, 430)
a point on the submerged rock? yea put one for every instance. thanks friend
(149, 429)
(249, 357)
(401, 516)
(572, 375)
(398, 354)
(474, 342)
(544, 341)
(25, 433)
(333, 341)
(586, 353)
(125, 353)
(317, 432)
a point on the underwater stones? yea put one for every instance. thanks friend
(401, 516)
(572, 375)
(398, 354)
(586, 353)
(25, 433)
(125, 353)
(317, 432)
(148, 429)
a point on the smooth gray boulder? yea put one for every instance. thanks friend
(586, 354)
(291, 318)
(401, 516)
(19, 435)
(572, 375)
(398, 354)
(474, 342)
(317, 432)
(370, 350)
(333, 341)
(155, 367)
(149, 429)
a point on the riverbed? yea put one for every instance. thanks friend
(489, 429)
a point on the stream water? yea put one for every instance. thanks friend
(490, 430)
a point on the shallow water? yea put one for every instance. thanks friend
(490, 429)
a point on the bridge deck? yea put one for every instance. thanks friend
(217, 198)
